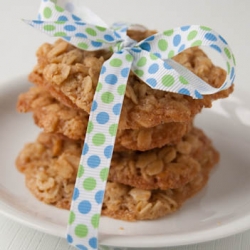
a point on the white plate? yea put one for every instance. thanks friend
(219, 210)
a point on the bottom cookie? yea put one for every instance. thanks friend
(50, 169)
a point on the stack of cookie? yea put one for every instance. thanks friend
(160, 159)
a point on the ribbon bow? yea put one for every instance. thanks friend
(150, 60)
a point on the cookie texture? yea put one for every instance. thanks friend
(71, 76)
(50, 167)
(55, 117)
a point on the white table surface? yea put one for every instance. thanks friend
(19, 42)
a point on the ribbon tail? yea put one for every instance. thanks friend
(97, 151)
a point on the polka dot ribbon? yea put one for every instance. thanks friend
(150, 60)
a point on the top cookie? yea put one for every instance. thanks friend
(71, 75)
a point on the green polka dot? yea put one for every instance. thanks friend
(234, 59)
(167, 80)
(129, 58)
(153, 57)
(226, 50)
(168, 32)
(183, 80)
(90, 127)
(59, 9)
(72, 217)
(192, 35)
(95, 220)
(47, 12)
(80, 171)
(81, 231)
(98, 139)
(100, 28)
(170, 54)
(205, 28)
(162, 44)
(49, 27)
(116, 62)
(228, 68)
(91, 32)
(82, 45)
(60, 33)
(196, 43)
(107, 97)
(121, 89)
(142, 62)
(60, 22)
(104, 174)
(89, 184)
(99, 87)
(100, 40)
(113, 129)
(139, 72)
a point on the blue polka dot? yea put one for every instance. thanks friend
(108, 151)
(157, 54)
(99, 196)
(167, 66)
(210, 37)
(182, 47)
(67, 38)
(80, 35)
(76, 18)
(70, 27)
(76, 194)
(152, 82)
(80, 23)
(232, 73)
(117, 108)
(125, 72)
(96, 44)
(153, 68)
(214, 46)
(117, 34)
(69, 7)
(136, 50)
(69, 239)
(93, 242)
(184, 91)
(111, 79)
(184, 28)
(109, 38)
(37, 21)
(81, 247)
(62, 18)
(85, 149)
(151, 38)
(84, 207)
(124, 29)
(103, 70)
(94, 161)
(222, 39)
(102, 118)
(176, 40)
(94, 105)
(146, 46)
(198, 95)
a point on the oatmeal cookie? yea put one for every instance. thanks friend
(50, 168)
(169, 167)
(50, 165)
(71, 75)
(55, 117)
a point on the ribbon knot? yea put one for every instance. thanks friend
(151, 61)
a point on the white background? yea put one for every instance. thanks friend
(18, 43)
